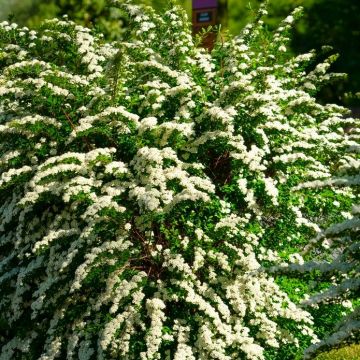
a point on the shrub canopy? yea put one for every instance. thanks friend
(147, 186)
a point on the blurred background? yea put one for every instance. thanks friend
(325, 22)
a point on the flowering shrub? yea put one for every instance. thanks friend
(146, 186)
(109, 21)
(338, 261)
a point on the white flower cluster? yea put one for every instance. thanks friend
(155, 308)
(151, 188)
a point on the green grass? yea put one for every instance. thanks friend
(346, 353)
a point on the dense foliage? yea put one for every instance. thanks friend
(346, 353)
(326, 22)
(108, 21)
(337, 264)
(148, 188)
